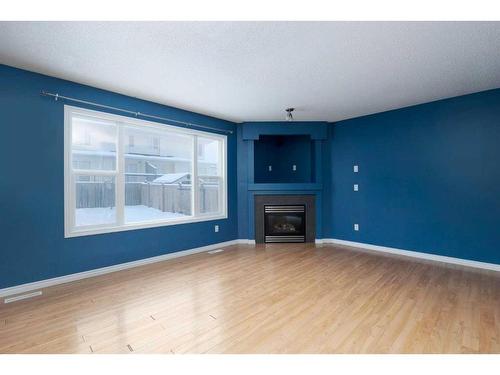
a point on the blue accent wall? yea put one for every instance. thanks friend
(282, 152)
(254, 130)
(32, 245)
(306, 141)
(429, 178)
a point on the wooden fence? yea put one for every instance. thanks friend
(90, 194)
(164, 197)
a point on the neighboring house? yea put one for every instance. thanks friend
(147, 157)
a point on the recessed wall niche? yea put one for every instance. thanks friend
(284, 159)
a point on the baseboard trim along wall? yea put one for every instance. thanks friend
(415, 254)
(246, 242)
(37, 285)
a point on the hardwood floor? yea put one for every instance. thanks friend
(280, 298)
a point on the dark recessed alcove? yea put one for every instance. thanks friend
(276, 155)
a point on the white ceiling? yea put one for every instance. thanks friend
(252, 71)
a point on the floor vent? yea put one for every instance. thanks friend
(215, 251)
(22, 296)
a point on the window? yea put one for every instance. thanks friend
(200, 151)
(123, 173)
(209, 175)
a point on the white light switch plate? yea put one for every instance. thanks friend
(294, 167)
(355, 169)
(270, 168)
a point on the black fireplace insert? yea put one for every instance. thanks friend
(285, 223)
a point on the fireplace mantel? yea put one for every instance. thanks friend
(250, 190)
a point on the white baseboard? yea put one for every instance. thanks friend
(246, 242)
(37, 285)
(416, 254)
(20, 297)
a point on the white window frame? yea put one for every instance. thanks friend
(70, 230)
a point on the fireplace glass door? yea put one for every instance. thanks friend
(285, 223)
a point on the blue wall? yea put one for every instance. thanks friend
(249, 134)
(282, 152)
(429, 178)
(32, 244)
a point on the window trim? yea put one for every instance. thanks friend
(122, 121)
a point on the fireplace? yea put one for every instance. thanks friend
(284, 223)
(285, 217)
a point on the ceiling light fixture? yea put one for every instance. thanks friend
(289, 116)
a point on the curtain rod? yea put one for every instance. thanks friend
(136, 114)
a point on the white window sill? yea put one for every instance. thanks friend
(88, 231)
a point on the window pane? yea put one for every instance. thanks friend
(209, 157)
(209, 172)
(93, 143)
(209, 194)
(158, 167)
(95, 200)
